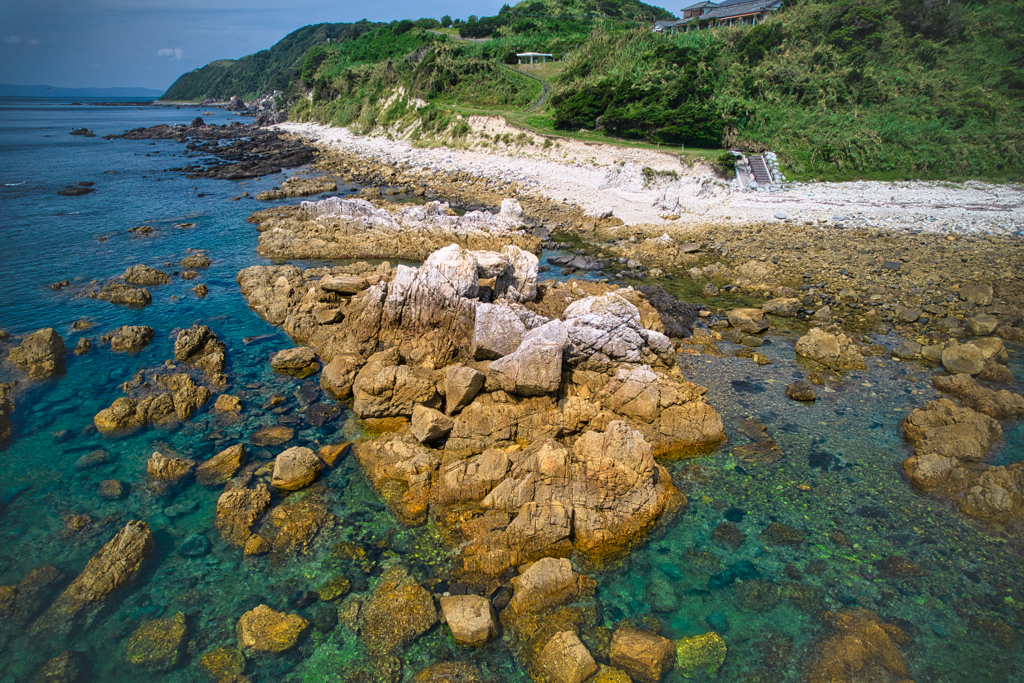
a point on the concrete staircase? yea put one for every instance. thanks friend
(759, 169)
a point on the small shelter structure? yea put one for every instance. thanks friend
(531, 55)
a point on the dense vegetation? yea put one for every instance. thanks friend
(897, 88)
(263, 72)
(566, 16)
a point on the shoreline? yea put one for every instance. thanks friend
(593, 177)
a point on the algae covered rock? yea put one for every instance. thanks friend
(398, 612)
(646, 657)
(700, 654)
(265, 630)
(40, 354)
(858, 640)
(833, 350)
(223, 662)
(156, 645)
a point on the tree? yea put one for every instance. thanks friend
(446, 21)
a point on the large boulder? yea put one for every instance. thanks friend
(605, 331)
(461, 385)
(295, 468)
(40, 354)
(221, 467)
(946, 429)
(401, 470)
(429, 425)
(535, 367)
(131, 338)
(163, 468)
(498, 331)
(833, 350)
(265, 630)
(120, 293)
(398, 612)
(114, 566)
(750, 320)
(383, 388)
(518, 281)
(339, 375)
(157, 644)
(144, 275)
(470, 618)
(547, 583)
(858, 641)
(237, 512)
(965, 359)
(565, 659)
(646, 657)
(298, 362)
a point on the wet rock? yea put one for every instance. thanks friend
(163, 468)
(461, 385)
(728, 535)
(40, 354)
(895, 567)
(265, 630)
(908, 350)
(145, 276)
(998, 404)
(566, 660)
(947, 430)
(782, 534)
(429, 425)
(6, 408)
(704, 653)
(400, 470)
(398, 612)
(982, 325)
(272, 436)
(120, 293)
(156, 645)
(449, 672)
(223, 663)
(93, 459)
(677, 317)
(75, 190)
(471, 619)
(238, 510)
(336, 588)
(67, 667)
(339, 375)
(331, 453)
(112, 489)
(980, 294)
(293, 527)
(297, 362)
(750, 320)
(201, 290)
(858, 640)
(295, 468)
(786, 308)
(226, 403)
(833, 350)
(195, 262)
(548, 583)
(195, 545)
(131, 338)
(221, 467)
(114, 566)
(83, 347)
(963, 358)
(801, 390)
(907, 314)
(646, 657)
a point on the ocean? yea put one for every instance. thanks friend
(838, 482)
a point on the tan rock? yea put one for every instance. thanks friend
(238, 510)
(566, 660)
(750, 320)
(548, 583)
(163, 468)
(297, 362)
(646, 657)
(40, 354)
(223, 662)
(963, 358)
(114, 566)
(339, 375)
(272, 436)
(835, 351)
(264, 630)
(221, 467)
(950, 431)
(332, 453)
(398, 612)
(471, 619)
(227, 404)
(429, 425)
(156, 645)
(295, 468)
(461, 385)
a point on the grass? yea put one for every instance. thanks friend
(546, 71)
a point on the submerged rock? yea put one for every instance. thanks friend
(156, 645)
(223, 663)
(703, 653)
(238, 510)
(40, 354)
(858, 640)
(263, 630)
(399, 611)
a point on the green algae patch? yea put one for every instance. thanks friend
(156, 645)
(223, 662)
(335, 588)
(703, 653)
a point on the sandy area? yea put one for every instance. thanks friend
(601, 177)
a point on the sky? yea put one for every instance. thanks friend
(149, 43)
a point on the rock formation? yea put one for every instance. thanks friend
(40, 354)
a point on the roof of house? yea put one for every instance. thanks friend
(701, 4)
(740, 9)
(669, 23)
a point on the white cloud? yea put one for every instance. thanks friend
(176, 52)
(32, 42)
(13, 40)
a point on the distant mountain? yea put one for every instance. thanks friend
(263, 72)
(9, 90)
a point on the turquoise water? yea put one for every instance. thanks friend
(839, 473)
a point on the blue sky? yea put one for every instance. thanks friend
(149, 43)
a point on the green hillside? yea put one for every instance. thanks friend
(263, 72)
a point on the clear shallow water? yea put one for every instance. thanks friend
(845, 449)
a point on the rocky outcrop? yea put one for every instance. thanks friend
(400, 470)
(535, 367)
(383, 388)
(646, 657)
(858, 641)
(157, 644)
(831, 348)
(131, 338)
(565, 659)
(299, 187)
(297, 362)
(606, 331)
(263, 630)
(398, 612)
(126, 295)
(949, 444)
(998, 404)
(40, 354)
(165, 398)
(238, 509)
(199, 347)
(220, 468)
(145, 276)
(337, 228)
